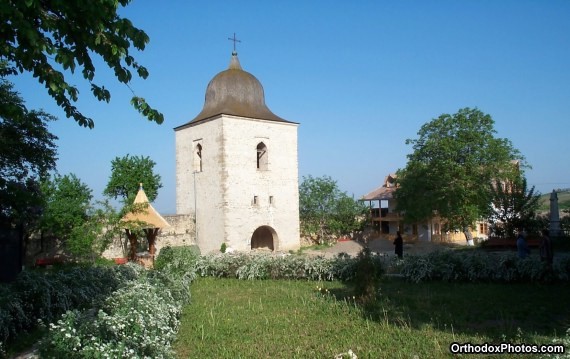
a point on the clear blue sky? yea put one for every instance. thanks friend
(359, 76)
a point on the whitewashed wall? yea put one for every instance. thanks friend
(230, 179)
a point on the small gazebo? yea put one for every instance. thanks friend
(142, 217)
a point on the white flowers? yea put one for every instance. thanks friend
(348, 355)
(475, 266)
(137, 321)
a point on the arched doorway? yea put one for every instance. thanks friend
(264, 237)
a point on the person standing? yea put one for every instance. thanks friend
(399, 243)
(522, 247)
(546, 254)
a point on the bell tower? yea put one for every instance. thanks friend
(237, 168)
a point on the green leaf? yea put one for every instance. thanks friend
(53, 86)
(37, 34)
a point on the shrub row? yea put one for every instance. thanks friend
(266, 266)
(364, 271)
(187, 261)
(475, 266)
(46, 295)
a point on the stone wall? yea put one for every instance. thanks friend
(180, 233)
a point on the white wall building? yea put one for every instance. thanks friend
(237, 168)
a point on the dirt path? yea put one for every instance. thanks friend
(384, 246)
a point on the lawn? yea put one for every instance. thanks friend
(230, 318)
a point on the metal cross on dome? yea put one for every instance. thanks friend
(234, 39)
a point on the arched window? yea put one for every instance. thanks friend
(262, 157)
(198, 158)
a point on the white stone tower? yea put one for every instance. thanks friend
(237, 168)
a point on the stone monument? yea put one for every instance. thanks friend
(555, 230)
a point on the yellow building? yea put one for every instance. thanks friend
(386, 220)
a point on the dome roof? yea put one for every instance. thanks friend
(235, 92)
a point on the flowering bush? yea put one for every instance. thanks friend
(470, 266)
(139, 320)
(565, 341)
(176, 260)
(266, 266)
(46, 295)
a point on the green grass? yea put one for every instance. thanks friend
(230, 318)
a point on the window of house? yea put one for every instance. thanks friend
(483, 228)
(262, 162)
(198, 158)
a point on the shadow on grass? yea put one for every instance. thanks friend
(497, 311)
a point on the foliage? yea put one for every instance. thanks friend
(127, 173)
(475, 266)
(565, 341)
(513, 206)
(534, 226)
(45, 295)
(454, 162)
(177, 260)
(139, 319)
(86, 229)
(367, 274)
(27, 154)
(42, 37)
(565, 221)
(67, 200)
(92, 237)
(327, 211)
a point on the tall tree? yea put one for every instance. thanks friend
(450, 171)
(86, 229)
(514, 206)
(327, 211)
(43, 37)
(67, 201)
(27, 153)
(89, 240)
(126, 175)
